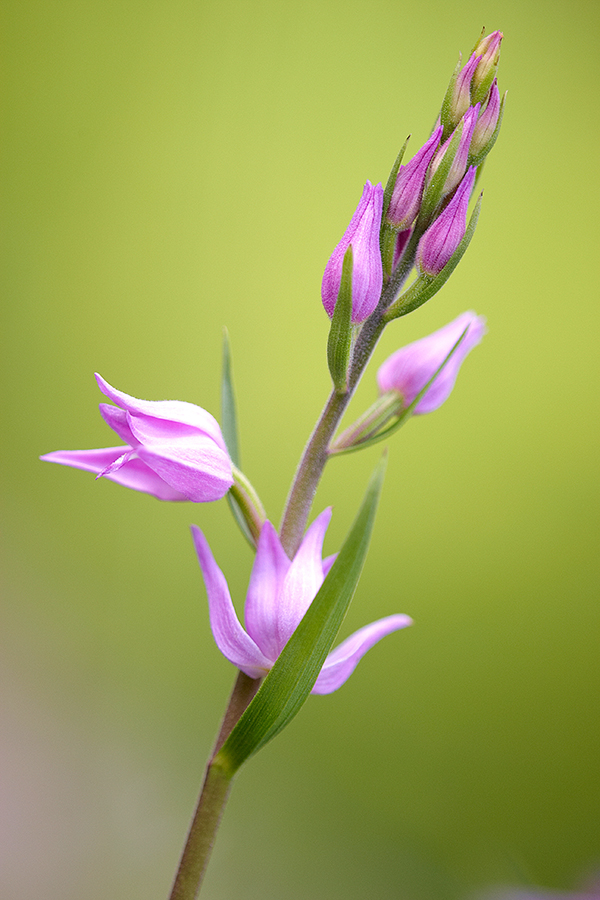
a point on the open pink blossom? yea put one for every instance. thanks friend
(408, 370)
(173, 450)
(279, 594)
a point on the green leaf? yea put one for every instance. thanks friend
(240, 519)
(228, 412)
(230, 436)
(340, 334)
(246, 507)
(293, 676)
(425, 286)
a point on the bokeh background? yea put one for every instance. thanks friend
(171, 167)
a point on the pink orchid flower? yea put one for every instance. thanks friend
(279, 594)
(408, 370)
(173, 450)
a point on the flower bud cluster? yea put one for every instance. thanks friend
(425, 204)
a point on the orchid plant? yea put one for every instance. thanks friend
(174, 450)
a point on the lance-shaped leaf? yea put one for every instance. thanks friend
(228, 408)
(295, 672)
(243, 500)
(339, 343)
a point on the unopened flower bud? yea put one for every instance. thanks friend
(367, 273)
(409, 369)
(458, 96)
(486, 125)
(488, 48)
(408, 190)
(443, 237)
(459, 163)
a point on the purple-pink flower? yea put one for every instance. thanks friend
(486, 124)
(367, 272)
(408, 370)
(173, 450)
(279, 594)
(461, 95)
(458, 166)
(443, 237)
(408, 189)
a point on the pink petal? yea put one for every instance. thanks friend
(230, 637)
(367, 272)
(172, 410)
(303, 580)
(341, 662)
(196, 468)
(133, 474)
(151, 430)
(116, 419)
(268, 572)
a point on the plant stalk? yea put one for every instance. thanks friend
(212, 800)
(316, 452)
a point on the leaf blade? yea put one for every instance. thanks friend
(228, 407)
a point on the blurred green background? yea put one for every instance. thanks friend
(174, 166)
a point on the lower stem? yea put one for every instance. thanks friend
(213, 797)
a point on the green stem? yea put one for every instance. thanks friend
(316, 452)
(309, 473)
(213, 797)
